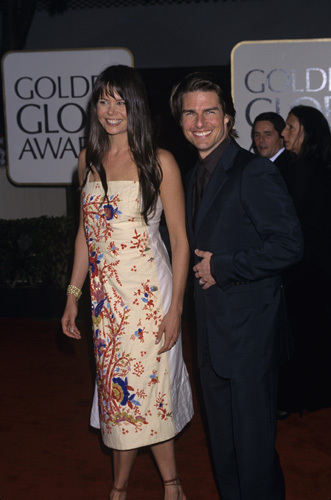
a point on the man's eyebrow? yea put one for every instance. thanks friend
(193, 110)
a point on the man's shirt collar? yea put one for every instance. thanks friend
(273, 158)
(211, 160)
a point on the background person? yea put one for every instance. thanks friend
(307, 137)
(267, 140)
(243, 228)
(143, 393)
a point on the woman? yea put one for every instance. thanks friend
(143, 392)
(307, 136)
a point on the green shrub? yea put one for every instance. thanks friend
(36, 252)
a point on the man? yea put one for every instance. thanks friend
(268, 141)
(244, 230)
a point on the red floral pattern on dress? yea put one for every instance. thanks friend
(140, 241)
(126, 313)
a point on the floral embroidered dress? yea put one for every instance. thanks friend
(141, 398)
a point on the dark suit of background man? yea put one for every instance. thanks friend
(267, 140)
(244, 230)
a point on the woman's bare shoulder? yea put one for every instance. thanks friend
(167, 160)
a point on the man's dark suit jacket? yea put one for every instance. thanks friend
(282, 162)
(247, 220)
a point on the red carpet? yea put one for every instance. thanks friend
(48, 451)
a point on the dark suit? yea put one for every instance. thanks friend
(247, 220)
(306, 381)
(282, 162)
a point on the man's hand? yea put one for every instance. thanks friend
(202, 269)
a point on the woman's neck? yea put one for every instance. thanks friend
(118, 143)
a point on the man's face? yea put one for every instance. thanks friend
(266, 139)
(203, 121)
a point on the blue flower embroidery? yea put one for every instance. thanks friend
(93, 261)
(100, 346)
(98, 309)
(110, 211)
(139, 333)
(121, 392)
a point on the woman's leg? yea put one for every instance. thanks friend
(122, 462)
(164, 454)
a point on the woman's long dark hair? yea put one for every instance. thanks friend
(317, 135)
(127, 83)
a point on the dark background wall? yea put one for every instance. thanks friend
(170, 33)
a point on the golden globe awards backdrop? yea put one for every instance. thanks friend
(45, 97)
(277, 75)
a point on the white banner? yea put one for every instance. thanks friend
(46, 95)
(277, 75)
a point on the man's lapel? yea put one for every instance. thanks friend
(216, 182)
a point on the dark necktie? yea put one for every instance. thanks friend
(201, 181)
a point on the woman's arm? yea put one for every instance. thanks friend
(172, 197)
(80, 267)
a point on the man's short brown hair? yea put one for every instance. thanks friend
(202, 82)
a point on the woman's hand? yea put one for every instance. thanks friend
(170, 327)
(68, 320)
(172, 197)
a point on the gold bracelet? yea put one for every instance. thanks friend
(73, 290)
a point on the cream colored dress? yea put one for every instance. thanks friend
(141, 398)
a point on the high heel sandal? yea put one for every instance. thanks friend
(117, 490)
(172, 482)
(175, 482)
